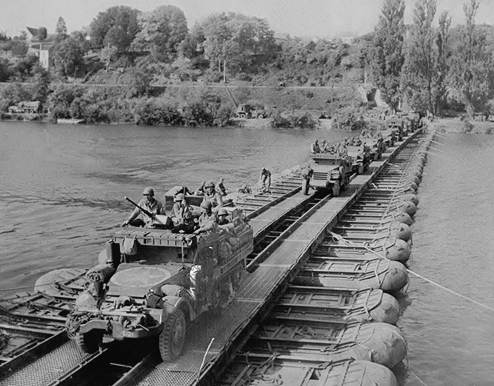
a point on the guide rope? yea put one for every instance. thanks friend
(340, 238)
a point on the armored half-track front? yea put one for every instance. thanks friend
(152, 282)
(331, 171)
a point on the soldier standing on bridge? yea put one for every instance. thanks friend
(307, 173)
(265, 181)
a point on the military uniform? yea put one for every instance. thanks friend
(155, 207)
(307, 173)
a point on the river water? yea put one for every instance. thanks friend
(62, 188)
(451, 341)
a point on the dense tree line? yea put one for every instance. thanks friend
(427, 65)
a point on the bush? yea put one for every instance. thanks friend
(350, 119)
(304, 121)
(154, 112)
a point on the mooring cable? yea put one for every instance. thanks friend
(339, 237)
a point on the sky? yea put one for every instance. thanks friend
(306, 18)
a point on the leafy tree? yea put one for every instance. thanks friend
(107, 54)
(442, 62)
(61, 29)
(387, 53)
(60, 100)
(140, 83)
(192, 45)
(161, 32)
(19, 47)
(117, 26)
(15, 93)
(471, 63)
(420, 64)
(23, 68)
(4, 70)
(42, 83)
(241, 43)
(67, 56)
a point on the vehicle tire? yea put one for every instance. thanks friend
(336, 189)
(90, 341)
(172, 338)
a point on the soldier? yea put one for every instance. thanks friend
(245, 189)
(315, 147)
(265, 181)
(324, 146)
(307, 173)
(200, 189)
(221, 187)
(210, 194)
(207, 219)
(222, 214)
(148, 203)
(182, 215)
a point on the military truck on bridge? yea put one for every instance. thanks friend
(153, 282)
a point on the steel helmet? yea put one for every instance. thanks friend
(148, 191)
(179, 197)
(222, 212)
(210, 184)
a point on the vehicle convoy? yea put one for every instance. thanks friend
(153, 282)
(331, 171)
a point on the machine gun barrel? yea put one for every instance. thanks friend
(146, 212)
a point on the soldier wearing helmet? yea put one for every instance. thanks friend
(200, 189)
(265, 184)
(211, 195)
(222, 216)
(149, 203)
(182, 214)
(207, 219)
(221, 187)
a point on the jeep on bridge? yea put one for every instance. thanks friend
(153, 282)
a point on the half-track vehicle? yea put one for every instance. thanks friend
(153, 282)
(361, 157)
(331, 171)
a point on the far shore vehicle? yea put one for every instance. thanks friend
(153, 282)
(248, 111)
